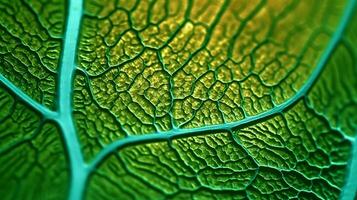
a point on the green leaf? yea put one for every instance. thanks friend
(178, 99)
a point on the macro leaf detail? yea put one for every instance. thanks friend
(178, 99)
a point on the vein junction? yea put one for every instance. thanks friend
(64, 115)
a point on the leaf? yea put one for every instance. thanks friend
(32, 157)
(178, 99)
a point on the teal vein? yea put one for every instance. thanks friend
(64, 105)
(176, 133)
(23, 97)
(79, 169)
(349, 191)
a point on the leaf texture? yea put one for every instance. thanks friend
(171, 99)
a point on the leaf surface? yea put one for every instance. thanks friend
(178, 99)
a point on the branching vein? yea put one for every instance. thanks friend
(176, 133)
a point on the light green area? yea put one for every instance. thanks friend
(178, 99)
